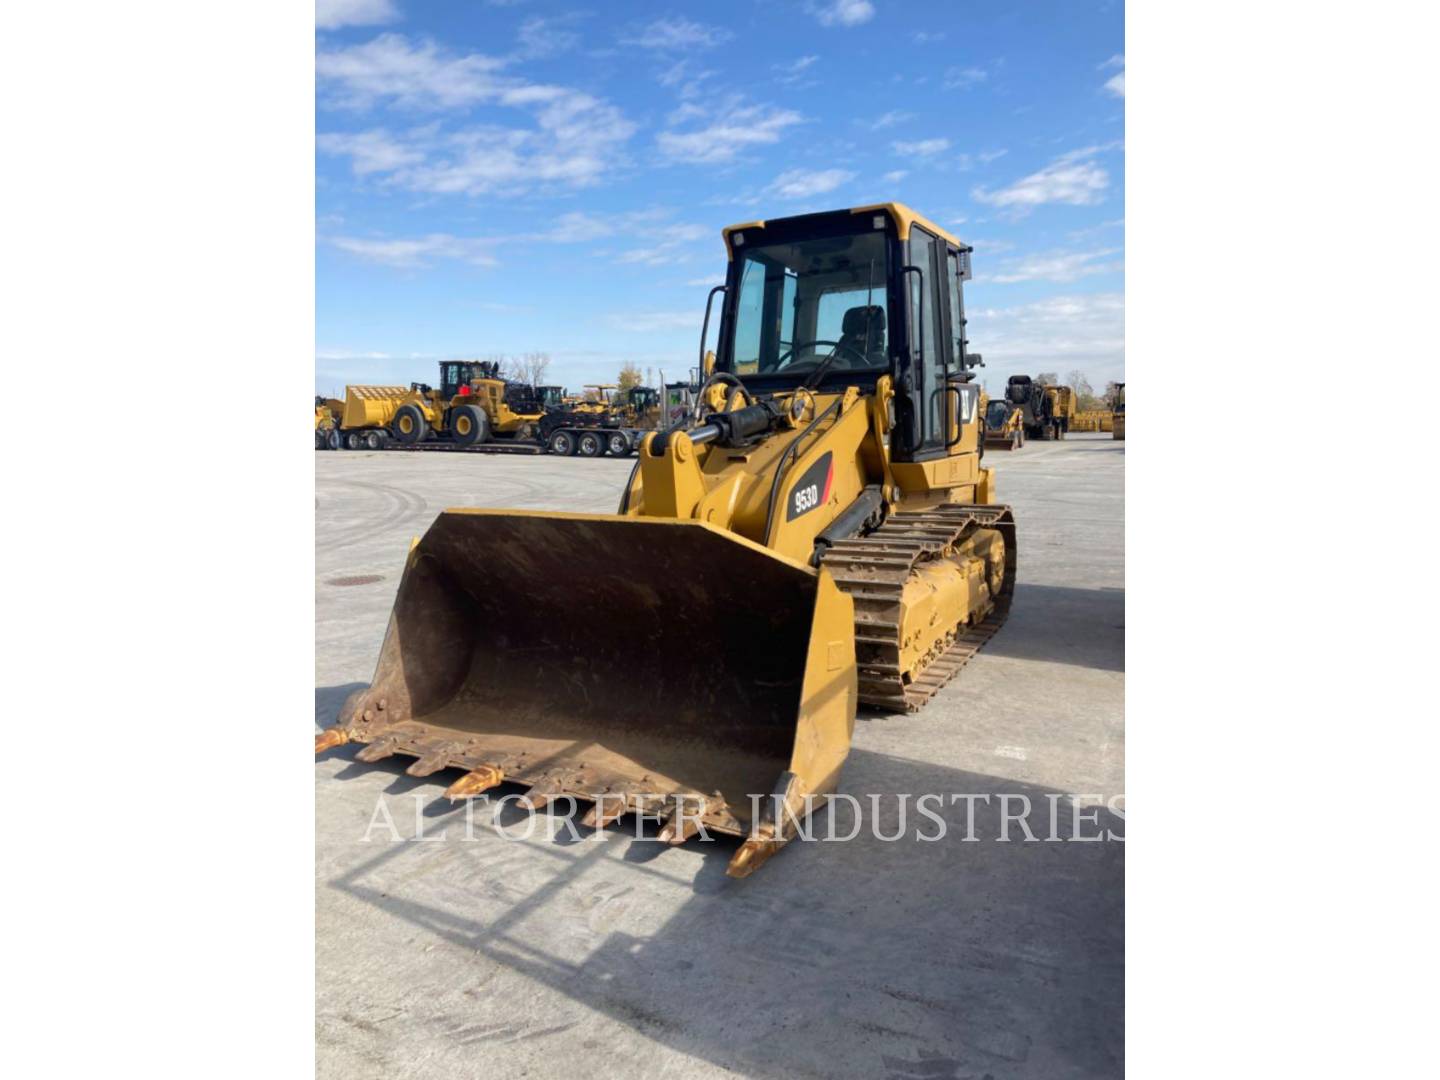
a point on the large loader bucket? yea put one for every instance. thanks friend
(622, 659)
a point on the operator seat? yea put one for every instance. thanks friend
(863, 329)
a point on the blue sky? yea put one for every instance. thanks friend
(517, 175)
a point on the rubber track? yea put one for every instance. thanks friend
(873, 570)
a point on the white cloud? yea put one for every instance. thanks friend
(896, 176)
(963, 78)
(668, 245)
(370, 151)
(333, 14)
(539, 37)
(923, 148)
(805, 183)
(889, 120)
(843, 12)
(924, 37)
(391, 68)
(1059, 266)
(794, 72)
(677, 34)
(1062, 330)
(417, 252)
(572, 140)
(1073, 179)
(728, 129)
(1115, 85)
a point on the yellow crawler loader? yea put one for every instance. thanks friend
(819, 533)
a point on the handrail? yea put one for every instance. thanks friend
(917, 361)
(705, 326)
(959, 422)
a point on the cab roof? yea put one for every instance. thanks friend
(900, 214)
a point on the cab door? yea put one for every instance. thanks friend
(931, 403)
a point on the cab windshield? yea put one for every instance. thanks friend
(812, 302)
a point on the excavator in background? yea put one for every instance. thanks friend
(1004, 424)
(819, 534)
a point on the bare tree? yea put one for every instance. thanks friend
(528, 368)
(1085, 398)
(1112, 395)
(1048, 378)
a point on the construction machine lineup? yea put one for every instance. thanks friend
(477, 408)
(808, 528)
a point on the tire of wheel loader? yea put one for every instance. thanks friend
(469, 425)
(735, 675)
(409, 425)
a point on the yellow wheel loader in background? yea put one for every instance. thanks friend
(819, 534)
(474, 404)
(1117, 418)
(327, 420)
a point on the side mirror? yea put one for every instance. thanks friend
(975, 359)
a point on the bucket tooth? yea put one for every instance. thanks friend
(432, 761)
(541, 796)
(607, 808)
(681, 826)
(331, 738)
(752, 855)
(379, 750)
(473, 783)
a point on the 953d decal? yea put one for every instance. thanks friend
(812, 489)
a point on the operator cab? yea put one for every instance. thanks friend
(840, 298)
(457, 373)
(997, 413)
(644, 397)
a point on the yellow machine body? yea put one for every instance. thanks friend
(1117, 418)
(414, 413)
(768, 569)
(1004, 428)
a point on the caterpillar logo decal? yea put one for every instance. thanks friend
(813, 488)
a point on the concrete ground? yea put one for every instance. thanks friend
(479, 956)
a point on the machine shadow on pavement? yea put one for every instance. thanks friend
(1062, 625)
(862, 958)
